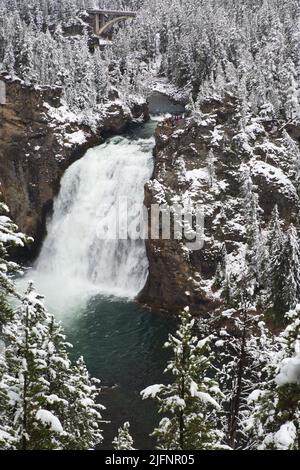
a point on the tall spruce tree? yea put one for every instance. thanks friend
(275, 416)
(255, 243)
(244, 348)
(9, 237)
(52, 403)
(123, 441)
(284, 271)
(187, 403)
(271, 263)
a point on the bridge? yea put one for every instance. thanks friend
(105, 19)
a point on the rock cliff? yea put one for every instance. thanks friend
(205, 158)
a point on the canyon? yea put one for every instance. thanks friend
(202, 158)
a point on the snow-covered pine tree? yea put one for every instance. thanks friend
(211, 168)
(83, 414)
(6, 428)
(9, 237)
(291, 88)
(270, 263)
(123, 441)
(284, 271)
(275, 238)
(255, 242)
(52, 404)
(243, 346)
(208, 46)
(219, 277)
(275, 415)
(291, 252)
(34, 425)
(8, 64)
(294, 153)
(187, 403)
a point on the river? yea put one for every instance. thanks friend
(90, 283)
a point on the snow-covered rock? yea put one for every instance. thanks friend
(204, 160)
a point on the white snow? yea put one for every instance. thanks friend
(175, 402)
(275, 176)
(164, 86)
(4, 436)
(193, 389)
(286, 436)
(203, 396)
(158, 189)
(203, 342)
(217, 135)
(55, 399)
(254, 396)
(78, 137)
(46, 417)
(199, 175)
(206, 398)
(152, 391)
(290, 372)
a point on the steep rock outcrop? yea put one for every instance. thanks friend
(39, 139)
(205, 159)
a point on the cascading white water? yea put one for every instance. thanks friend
(74, 263)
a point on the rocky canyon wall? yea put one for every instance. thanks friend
(205, 158)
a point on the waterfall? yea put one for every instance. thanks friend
(75, 263)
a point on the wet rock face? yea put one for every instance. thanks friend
(37, 144)
(205, 159)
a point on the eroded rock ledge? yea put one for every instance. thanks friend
(39, 139)
(205, 158)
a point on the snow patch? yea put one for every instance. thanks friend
(78, 137)
(47, 418)
(286, 436)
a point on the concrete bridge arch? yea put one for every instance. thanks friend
(103, 20)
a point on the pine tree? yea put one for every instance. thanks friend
(275, 414)
(45, 402)
(291, 252)
(6, 429)
(188, 403)
(284, 272)
(255, 245)
(211, 169)
(9, 237)
(52, 404)
(291, 98)
(219, 277)
(36, 426)
(123, 441)
(244, 346)
(274, 246)
(83, 416)
(9, 61)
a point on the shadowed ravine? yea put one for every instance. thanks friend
(91, 283)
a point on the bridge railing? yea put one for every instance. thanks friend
(111, 12)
